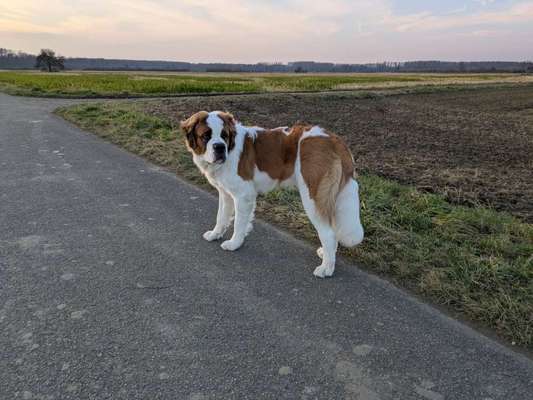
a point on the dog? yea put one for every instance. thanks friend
(244, 161)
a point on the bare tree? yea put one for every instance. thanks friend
(48, 61)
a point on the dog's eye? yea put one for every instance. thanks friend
(206, 137)
(224, 135)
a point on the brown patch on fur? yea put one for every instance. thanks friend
(247, 160)
(326, 162)
(229, 128)
(194, 128)
(327, 166)
(273, 152)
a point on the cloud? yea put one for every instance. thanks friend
(484, 3)
(288, 17)
(426, 21)
(251, 30)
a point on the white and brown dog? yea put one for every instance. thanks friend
(241, 162)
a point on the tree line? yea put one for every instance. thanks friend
(48, 60)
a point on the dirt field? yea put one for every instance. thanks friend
(475, 146)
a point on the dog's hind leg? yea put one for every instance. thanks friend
(348, 227)
(325, 232)
(320, 173)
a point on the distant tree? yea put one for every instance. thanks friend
(47, 60)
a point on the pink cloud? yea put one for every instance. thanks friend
(426, 21)
(251, 31)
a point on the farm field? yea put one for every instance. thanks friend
(474, 147)
(154, 84)
(445, 179)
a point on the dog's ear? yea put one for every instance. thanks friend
(229, 127)
(188, 127)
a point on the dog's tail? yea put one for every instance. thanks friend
(328, 189)
(340, 207)
(348, 228)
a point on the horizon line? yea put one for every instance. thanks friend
(284, 62)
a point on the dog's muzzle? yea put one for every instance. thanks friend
(219, 150)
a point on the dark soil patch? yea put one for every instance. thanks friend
(474, 146)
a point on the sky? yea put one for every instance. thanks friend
(250, 31)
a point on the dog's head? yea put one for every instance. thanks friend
(210, 136)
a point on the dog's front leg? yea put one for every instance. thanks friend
(244, 206)
(224, 215)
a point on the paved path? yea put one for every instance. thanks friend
(108, 292)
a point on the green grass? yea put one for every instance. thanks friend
(474, 260)
(84, 84)
(121, 85)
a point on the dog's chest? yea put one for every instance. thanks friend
(224, 177)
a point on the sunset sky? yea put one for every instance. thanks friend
(277, 30)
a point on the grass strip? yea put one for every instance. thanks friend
(145, 84)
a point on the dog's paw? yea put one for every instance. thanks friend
(212, 235)
(231, 245)
(324, 271)
(320, 252)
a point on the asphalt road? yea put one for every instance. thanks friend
(107, 291)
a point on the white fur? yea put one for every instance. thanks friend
(237, 197)
(215, 122)
(224, 216)
(284, 129)
(314, 131)
(253, 131)
(240, 194)
(263, 182)
(348, 228)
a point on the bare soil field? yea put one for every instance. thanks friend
(474, 146)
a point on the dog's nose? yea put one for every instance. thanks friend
(219, 147)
